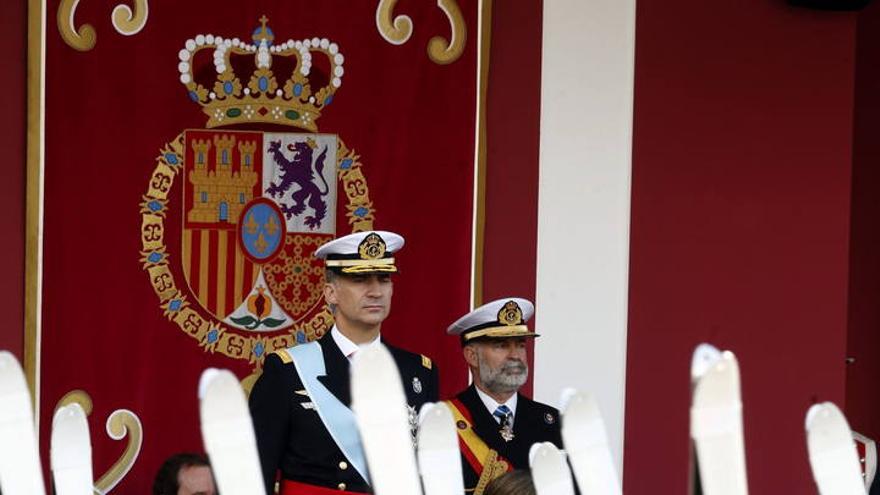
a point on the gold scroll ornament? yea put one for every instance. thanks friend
(398, 29)
(125, 20)
(395, 29)
(120, 423)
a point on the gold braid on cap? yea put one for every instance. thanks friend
(385, 265)
(510, 324)
(505, 331)
(371, 253)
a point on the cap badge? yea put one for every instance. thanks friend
(510, 314)
(417, 385)
(549, 419)
(461, 425)
(372, 247)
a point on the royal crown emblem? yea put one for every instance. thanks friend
(254, 203)
(510, 314)
(263, 95)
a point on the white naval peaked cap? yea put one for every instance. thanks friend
(500, 318)
(362, 252)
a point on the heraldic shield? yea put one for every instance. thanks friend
(255, 208)
(257, 191)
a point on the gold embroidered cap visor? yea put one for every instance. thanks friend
(384, 265)
(500, 332)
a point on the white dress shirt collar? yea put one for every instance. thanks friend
(345, 344)
(491, 404)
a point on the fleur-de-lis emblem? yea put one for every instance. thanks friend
(251, 225)
(271, 226)
(261, 243)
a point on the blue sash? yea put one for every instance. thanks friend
(338, 419)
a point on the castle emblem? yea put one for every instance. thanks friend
(255, 201)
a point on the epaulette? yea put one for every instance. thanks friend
(426, 362)
(284, 355)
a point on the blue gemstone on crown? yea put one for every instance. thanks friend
(175, 304)
(297, 89)
(227, 87)
(155, 257)
(264, 84)
(328, 100)
(361, 212)
(212, 336)
(171, 158)
(258, 349)
(346, 164)
(194, 96)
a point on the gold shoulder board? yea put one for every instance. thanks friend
(284, 355)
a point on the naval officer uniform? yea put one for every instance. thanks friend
(494, 437)
(300, 405)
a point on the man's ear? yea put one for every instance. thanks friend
(330, 293)
(470, 355)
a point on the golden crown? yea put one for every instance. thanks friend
(297, 101)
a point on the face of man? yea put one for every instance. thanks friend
(499, 364)
(195, 480)
(362, 301)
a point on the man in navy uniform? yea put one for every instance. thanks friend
(496, 424)
(301, 403)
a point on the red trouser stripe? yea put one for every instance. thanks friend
(294, 488)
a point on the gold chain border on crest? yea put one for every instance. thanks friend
(214, 336)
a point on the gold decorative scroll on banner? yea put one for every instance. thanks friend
(395, 29)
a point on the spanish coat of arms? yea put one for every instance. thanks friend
(258, 189)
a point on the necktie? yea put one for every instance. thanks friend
(505, 419)
(503, 415)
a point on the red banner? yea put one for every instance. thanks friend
(197, 153)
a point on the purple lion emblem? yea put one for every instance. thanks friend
(299, 171)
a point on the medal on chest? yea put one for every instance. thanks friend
(413, 418)
(506, 431)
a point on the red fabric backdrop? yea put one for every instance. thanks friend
(863, 340)
(740, 211)
(12, 140)
(513, 116)
(110, 110)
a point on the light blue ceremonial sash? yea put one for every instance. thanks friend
(338, 419)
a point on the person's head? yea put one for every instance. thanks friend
(499, 365)
(184, 474)
(358, 286)
(493, 339)
(360, 301)
(518, 482)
